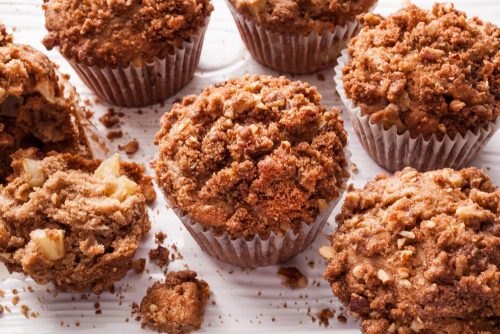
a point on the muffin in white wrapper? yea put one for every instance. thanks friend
(394, 151)
(257, 251)
(253, 167)
(139, 85)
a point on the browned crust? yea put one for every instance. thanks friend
(429, 72)
(420, 252)
(118, 32)
(251, 156)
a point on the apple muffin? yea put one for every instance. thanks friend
(420, 253)
(254, 158)
(130, 53)
(422, 87)
(297, 36)
(74, 222)
(176, 306)
(37, 108)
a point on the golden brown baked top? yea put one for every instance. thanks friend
(427, 72)
(118, 32)
(252, 155)
(71, 221)
(302, 16)
(420, 252)
(176, 306)
(35, 109)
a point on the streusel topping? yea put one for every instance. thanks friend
(420, 253)
(252, 155)
(429, 72)
(302, 16)
(113, 32)
(74, 222)
(35, 110)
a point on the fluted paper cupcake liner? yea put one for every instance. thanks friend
(259, 252)
(153, 82)
(394, 151)
(293, 52)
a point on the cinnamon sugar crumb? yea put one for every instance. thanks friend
(131, 147)
(160, 256)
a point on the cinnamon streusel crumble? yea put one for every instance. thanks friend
(251, 156)
(429, 72)
(35, 110)
(71, 221)
(118, 32)
(176, 306)
(302, 16)
(420, 253)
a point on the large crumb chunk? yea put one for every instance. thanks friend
(292, 277)
(79, 226)
(420, 253)
(176, 306)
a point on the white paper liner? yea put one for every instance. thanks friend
(292, 52)
(394, 151)
(154, 82)
(258, 252)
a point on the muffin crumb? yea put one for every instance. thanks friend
(292, 278)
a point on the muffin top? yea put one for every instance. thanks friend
(118, 32)
(252, 155)
(36, 109)
(302, 16)
(420, 252)
(427, 72)
(72, 221)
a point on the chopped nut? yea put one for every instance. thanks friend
(358, 272)
(401, 242)
(50, 243)
(470, 211)
(109, 168)
(407, 234)
(405, 284)
(327, 252)
(292, 278)
(383, 276)
(417, 325)
(392, 328)
(34, 175)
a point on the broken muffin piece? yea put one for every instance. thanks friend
(176, 306)
(71, 221)
(38, 108)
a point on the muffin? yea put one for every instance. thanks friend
(74, 222)
(422, 87)
(38, 108)
(176, 306)
(420, 253)
(130, 53)
(253, 167)
(297, 37)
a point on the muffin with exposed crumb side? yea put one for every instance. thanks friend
(176, 306)
(297, 37)
(420, 253)
(253, 167)
(70, 221)
(422, 87)
(38, 107)
(130, 53)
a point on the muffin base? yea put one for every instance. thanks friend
(394, 151)
(151, 83)
(291, 52)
